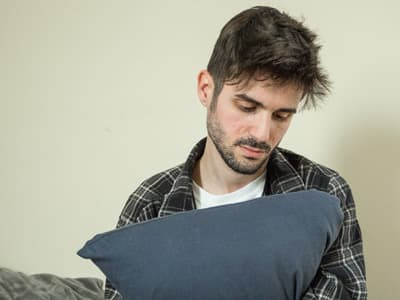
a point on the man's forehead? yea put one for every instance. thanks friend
(247, 83)
(253, 85)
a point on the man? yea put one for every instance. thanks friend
(264, 67)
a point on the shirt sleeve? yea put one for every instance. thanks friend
(342, 270)
(127, 216)
(142, 205)
(111, 293)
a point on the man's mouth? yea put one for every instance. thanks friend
(252, 152)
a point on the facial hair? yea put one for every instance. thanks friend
(247, 166)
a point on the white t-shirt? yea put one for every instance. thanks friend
(204, 199)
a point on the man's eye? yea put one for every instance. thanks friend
(281, 116)
(247, 108)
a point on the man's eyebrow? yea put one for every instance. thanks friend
(288, 110)
(249, 99)
(258, 103)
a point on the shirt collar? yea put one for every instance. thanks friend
(180, 198)
(282, 176)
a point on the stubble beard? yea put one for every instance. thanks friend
(248, 166)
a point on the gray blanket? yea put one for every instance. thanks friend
(16, 285)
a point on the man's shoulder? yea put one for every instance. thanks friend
(161, 182)
(145, 202)
(314, 175)
(300, 162)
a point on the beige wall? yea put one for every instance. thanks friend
(95, 96)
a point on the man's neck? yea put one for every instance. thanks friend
(215, 176)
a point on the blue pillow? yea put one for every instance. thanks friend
(266, 248)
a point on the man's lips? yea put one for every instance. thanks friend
(252, 152)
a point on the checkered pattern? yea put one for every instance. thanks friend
(342, 271)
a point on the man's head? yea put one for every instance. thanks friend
(263, 65)
(262, 43)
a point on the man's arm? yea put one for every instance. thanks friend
(140, 206)
(111, 293)
(342, 271)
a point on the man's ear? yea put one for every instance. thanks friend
(205, 87)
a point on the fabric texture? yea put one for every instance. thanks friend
(18, 286)
(266, 248)
(342, 270)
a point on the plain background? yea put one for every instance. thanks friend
(96, 96)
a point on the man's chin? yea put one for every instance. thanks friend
(250, 166)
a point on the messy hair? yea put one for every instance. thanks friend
(263, 43)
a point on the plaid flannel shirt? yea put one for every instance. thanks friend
(341, 274)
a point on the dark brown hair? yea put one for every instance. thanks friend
(263, 43)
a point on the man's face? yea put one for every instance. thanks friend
(247, 123)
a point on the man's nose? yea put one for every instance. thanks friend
(261, 127)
